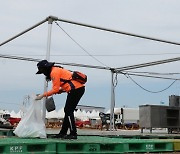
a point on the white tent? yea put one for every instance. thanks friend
(84, 115)
(94, 114)
(88, 114)
(19, 114)
(13, 114)
(81, 115)
(78, 113)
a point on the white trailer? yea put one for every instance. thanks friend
(126, 115)
(130, 115)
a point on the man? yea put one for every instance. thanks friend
(62, 82)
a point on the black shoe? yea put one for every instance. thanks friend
(73, 137)
(60, 135)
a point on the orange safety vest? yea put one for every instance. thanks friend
(62, 78)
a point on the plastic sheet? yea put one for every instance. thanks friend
(32, 123)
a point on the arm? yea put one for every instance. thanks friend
(55, 86)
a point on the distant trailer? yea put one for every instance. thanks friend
(130, 115)
(127, 118)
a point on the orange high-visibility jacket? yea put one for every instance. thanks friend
(62, 78)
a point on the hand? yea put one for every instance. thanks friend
(39, 97)
(60, 91)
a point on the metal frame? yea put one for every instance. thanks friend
(50, 20)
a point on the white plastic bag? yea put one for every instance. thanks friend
(32, 123)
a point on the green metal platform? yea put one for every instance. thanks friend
(84, 144)
(89, 144)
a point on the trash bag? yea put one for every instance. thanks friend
(32, 123)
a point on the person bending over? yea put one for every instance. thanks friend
(62, 82)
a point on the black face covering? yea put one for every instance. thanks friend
(46, 71)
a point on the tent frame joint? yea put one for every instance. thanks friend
(50, 19)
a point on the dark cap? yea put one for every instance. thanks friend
(43, 64)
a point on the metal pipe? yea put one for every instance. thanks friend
(118, 32)
(25, 31)
(82, 65)
(147, 64)
(68, 64)
(50, 21)
(49, 39)
(112, 101)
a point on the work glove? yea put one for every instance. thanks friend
(60, 91)
(39, 97)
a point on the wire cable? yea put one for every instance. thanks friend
(150, 76)
(80, 45)
(152, 73)
(128, 76)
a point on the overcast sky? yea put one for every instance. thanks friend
(155, 18)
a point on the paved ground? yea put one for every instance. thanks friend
(119, 132)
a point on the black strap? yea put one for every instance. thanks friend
(69, 82)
